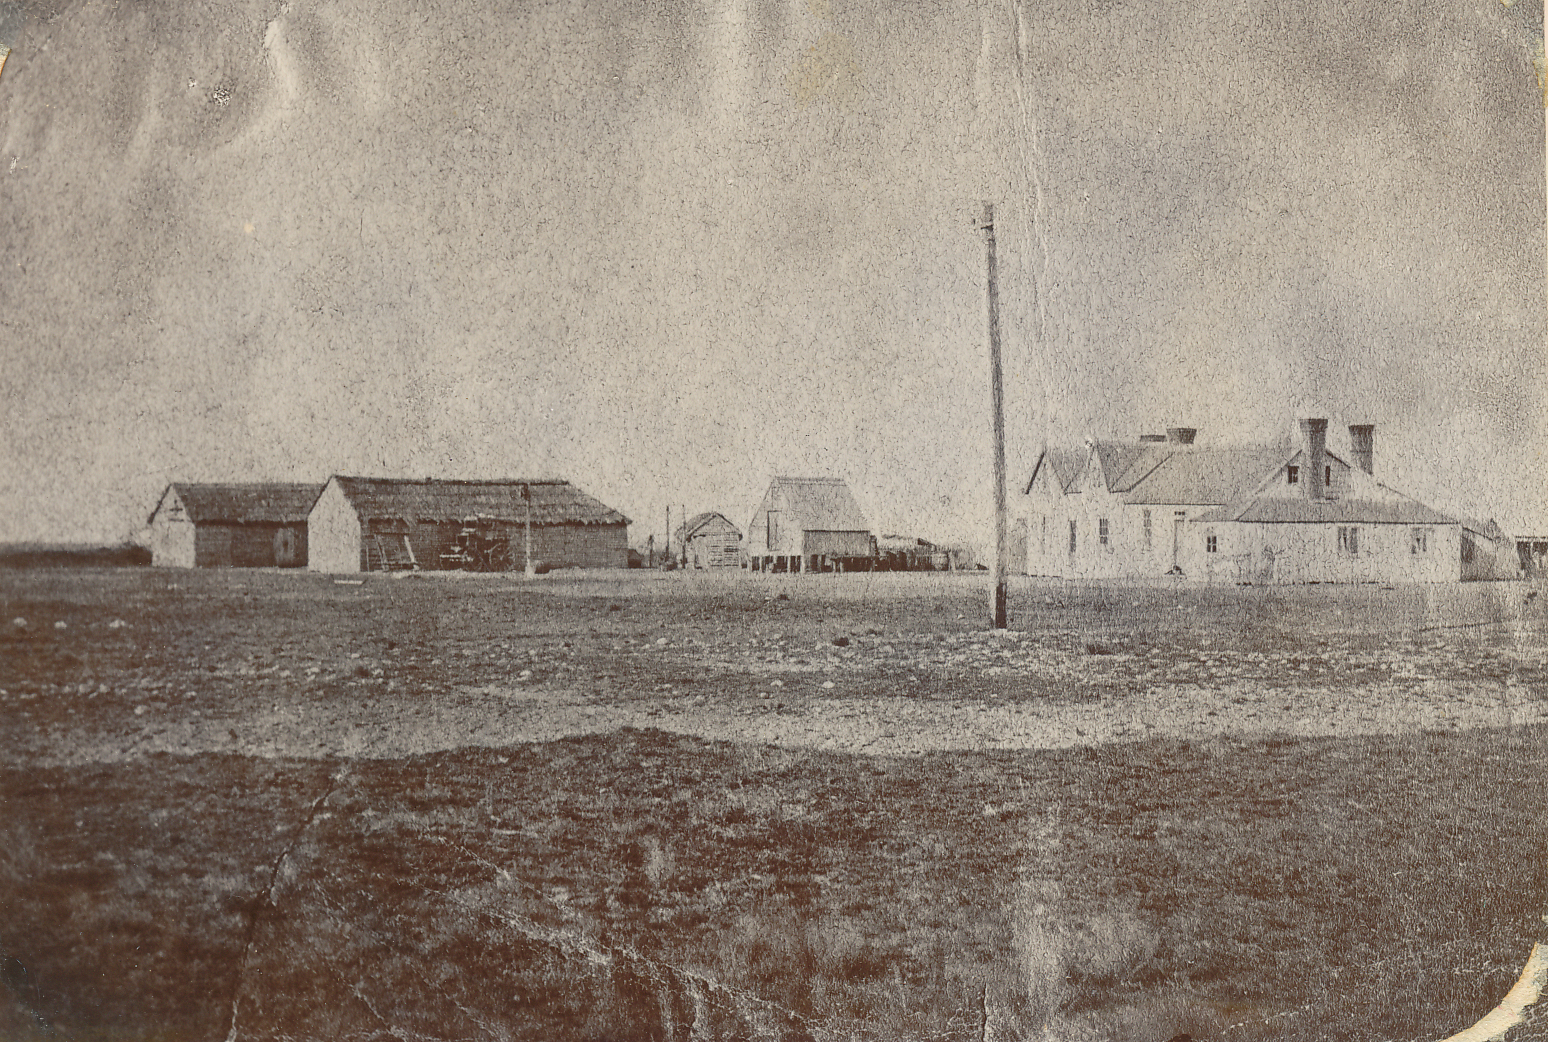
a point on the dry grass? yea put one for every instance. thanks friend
(642, 885)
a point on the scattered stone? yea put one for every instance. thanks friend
(827, 685)
(141, 710)
(61, 624)
(117, 624)
(661, 640)
(776, 683)
(19, 622)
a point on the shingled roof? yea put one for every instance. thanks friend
(243, 503)
(554, 502)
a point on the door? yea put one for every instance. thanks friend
(285, 547)
(1177, 535)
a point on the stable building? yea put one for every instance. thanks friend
(709, 542)
(361, 524)
(809, 525)
(248, 525)
(1289, 511)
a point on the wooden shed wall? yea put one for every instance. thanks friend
(334, 542)
(172, 543)
(557, 546)
(715, 548)
(247, 546)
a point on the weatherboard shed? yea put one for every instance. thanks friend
(383, 524)
(234, 525)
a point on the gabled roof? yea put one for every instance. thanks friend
(691, 528)
(554, 502)
(1063, 464)
(822, 504)
(1126, 463)
(1190, 475)
(243, 503)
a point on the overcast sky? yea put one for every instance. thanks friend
(669, 249)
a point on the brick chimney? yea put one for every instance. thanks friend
(1181, 435)
(1362, 445)
(1316, 458)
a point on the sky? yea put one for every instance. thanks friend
(668, 250)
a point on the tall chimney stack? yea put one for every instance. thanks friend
(1181, 435)
(1362, 445)
(1316, 458)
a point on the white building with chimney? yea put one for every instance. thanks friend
(1284, 511)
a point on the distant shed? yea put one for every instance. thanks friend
(382, 524)
(709, 541)
(231, 525)
(809, 525)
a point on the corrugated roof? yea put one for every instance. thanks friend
(1283, 510)
(554, 502)
(823, 504)
(244, 503)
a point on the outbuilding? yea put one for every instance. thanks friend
(709, 542)
(231, 525)
(361, 524)
(809, 525)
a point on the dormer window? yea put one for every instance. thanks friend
(1292, 474)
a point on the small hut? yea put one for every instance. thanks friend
(231, 525)
(709, 542)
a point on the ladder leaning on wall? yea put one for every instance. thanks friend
(395, 552)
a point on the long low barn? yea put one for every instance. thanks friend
(383, 524)
(253, 525)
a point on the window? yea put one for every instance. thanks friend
(1348, 540)
(1292, 474)
(1146, 516)
(1072, 537)
(1327, 475)
(1102, 530)
(1210, 543)
(1419, 541)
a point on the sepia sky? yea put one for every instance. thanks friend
(669, 249)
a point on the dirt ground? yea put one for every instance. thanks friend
(656, 806)
(383, 667)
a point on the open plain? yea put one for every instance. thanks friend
(255, 804)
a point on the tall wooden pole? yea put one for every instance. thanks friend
(997, 393)
(666, 552)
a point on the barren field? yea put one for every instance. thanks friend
(277, 805)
